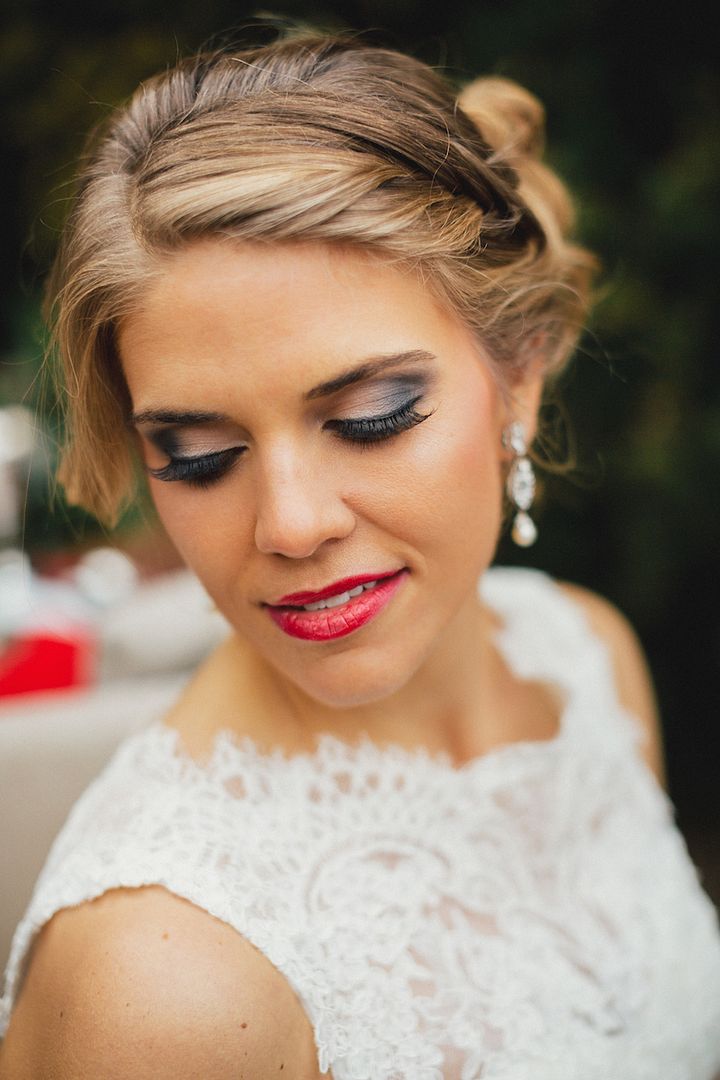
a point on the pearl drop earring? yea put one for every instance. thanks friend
(520, 484)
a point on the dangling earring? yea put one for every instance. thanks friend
(520, 484)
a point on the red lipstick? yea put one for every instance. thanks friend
(335, 589)
(336, 622)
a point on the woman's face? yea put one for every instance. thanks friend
(310, 414)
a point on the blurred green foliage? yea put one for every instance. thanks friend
(632, 94)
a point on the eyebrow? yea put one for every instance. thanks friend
(363, 371)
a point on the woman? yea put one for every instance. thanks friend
(406, 822)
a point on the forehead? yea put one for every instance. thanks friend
(281, 314)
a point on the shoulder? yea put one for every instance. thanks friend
(142, 983)
(632, 677)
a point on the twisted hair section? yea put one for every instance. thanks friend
(312, 138)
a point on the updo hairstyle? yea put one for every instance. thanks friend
(311, 138)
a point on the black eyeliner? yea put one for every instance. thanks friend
(200, 471)
(203, 470)
(369, 429)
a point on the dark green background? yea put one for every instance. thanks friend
(633, 94)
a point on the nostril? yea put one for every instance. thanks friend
(296, 526)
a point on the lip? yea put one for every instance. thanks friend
(330, 623)
(335, 589)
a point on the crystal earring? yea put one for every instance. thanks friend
(520, 484)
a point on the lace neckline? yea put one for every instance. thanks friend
(331, 749)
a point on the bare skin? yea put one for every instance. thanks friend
(141, 960)
(158, 988)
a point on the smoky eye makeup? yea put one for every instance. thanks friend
(368, 430)
(168, 441)
(189, 440)
(382, 398)
(200, 471)
(374, 414)
(193, 457)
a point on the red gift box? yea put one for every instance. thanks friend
(47, 660)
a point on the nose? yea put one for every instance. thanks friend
(299, 507)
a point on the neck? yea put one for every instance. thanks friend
(438, 708)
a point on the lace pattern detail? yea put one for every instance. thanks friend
(532, 914)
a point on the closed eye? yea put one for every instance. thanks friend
(366, 430)
(200, 471)
(207, 469)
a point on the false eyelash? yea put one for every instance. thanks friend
(198, 471)
(206, 470)
(366, 431)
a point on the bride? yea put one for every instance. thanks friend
(407, 821)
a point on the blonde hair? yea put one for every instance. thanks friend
(313, 138)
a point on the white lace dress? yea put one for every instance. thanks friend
(532, 915)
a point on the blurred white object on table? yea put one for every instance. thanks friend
(167, 624)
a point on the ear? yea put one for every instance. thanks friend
(524, 394)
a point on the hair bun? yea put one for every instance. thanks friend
(509, 118)
(511, 121)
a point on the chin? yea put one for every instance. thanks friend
(338, 685)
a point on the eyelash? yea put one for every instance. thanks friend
(206, 470)
(365, 432)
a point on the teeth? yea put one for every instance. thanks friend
(341, 598)
(336, 601)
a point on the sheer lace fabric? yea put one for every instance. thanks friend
(533, 914)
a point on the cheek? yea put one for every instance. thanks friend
(199, 526)
(473, 503)
(462, 475)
